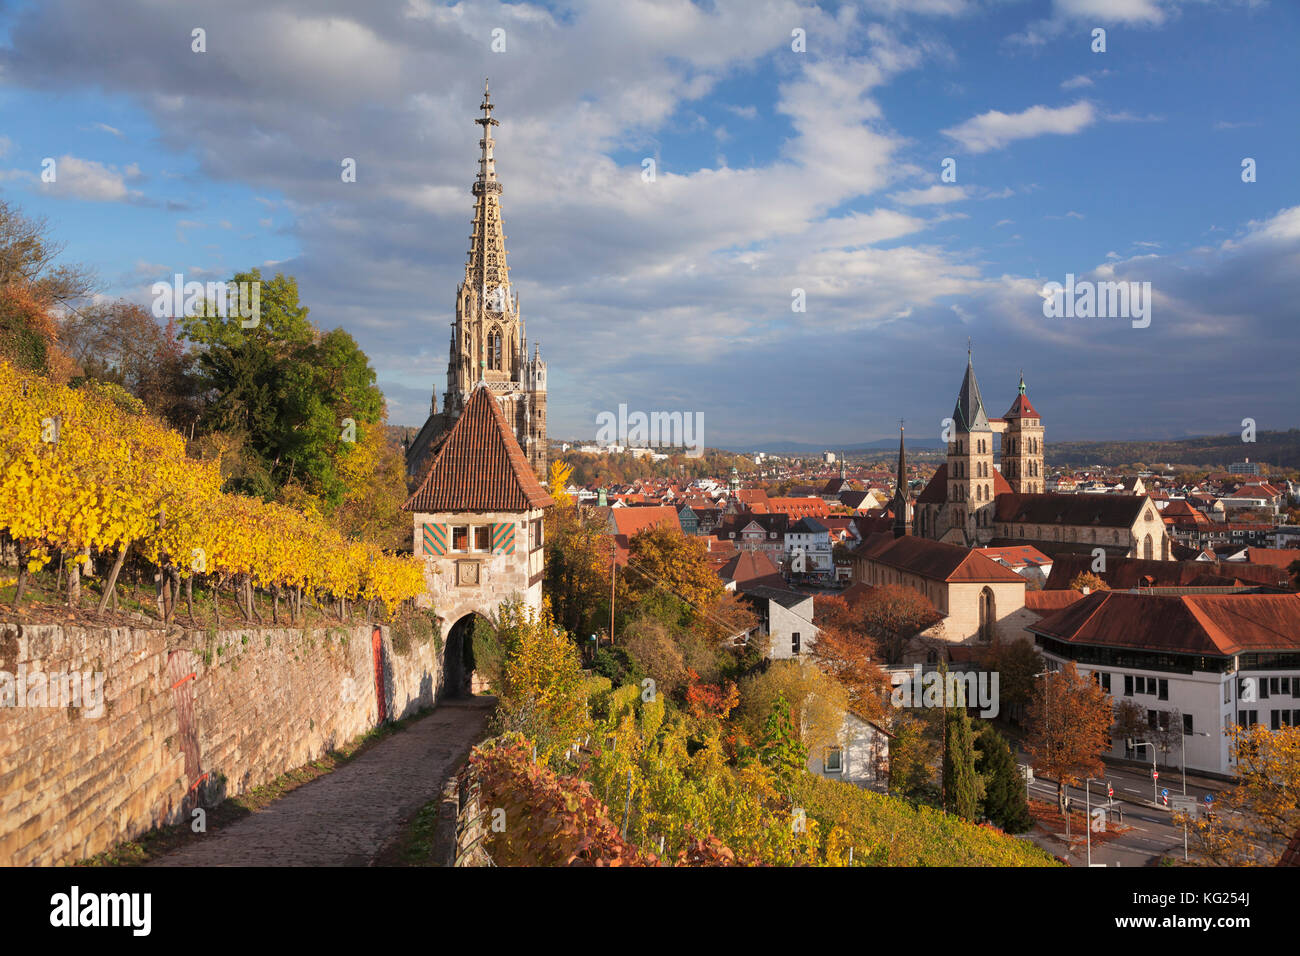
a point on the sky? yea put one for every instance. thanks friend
(799, 158)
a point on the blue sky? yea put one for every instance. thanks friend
(776, 170)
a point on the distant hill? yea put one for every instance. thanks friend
(1278, 450)
(805, 449)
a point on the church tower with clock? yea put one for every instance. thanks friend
(488, 344)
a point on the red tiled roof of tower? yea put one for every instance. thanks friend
(1021, 408)
(478, 466)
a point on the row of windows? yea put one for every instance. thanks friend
(1158, 687)
(1277, 718)
(469, 539)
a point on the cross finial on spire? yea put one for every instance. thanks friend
(968, 350)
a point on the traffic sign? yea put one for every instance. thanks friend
(1110, 791)
(1186, 805)
(1209, 798)
(1155, 774)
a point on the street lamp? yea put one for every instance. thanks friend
(1182, 739)
(1154, 798)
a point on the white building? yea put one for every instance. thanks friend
(859, 756)
(1213, 660)
(808, 547)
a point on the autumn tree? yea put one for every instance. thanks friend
(847, 652)
(1069, 724)
(892, 615)
(1255, 819)
(817, 702)
(579, 557)
(542, 690)
(33, 290)
(911, 758)
(122, 343)
(665, 565)
(1086, 579)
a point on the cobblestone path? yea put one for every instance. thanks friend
(345, 818)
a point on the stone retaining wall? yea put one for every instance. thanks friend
(187, 718)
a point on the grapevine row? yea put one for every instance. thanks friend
(84, 473)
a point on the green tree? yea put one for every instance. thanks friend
(911, 754)
(284, 390)
(779, 748)
(1006, 801)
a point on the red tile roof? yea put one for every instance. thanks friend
(752, 568)
(1021, 408)
(1277, 557)
(1138, 572)
(935, 560)
(1047, 602)
(1219, 625)
(1019, 554)
(478, 466)
(628, 521)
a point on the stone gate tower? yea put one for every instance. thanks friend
(488, 344)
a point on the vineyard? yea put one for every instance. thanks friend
(88, 479)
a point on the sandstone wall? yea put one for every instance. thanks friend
(260, 701)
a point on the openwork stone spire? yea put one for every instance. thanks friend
(486, 272)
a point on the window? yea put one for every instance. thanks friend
(1164, 689)
(494, 350)
(482, 538)
(460, 537)
(1227, 692)
(1102, 679)
(1248, 718)
(794, 643)
(1187, 725)
(1128, 685)
(834, 762)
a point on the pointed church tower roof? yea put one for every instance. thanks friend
(899, 504)
(969, 414)
(1021, 408)
(486, 269)
(478, 466)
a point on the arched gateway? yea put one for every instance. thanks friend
(478, 526)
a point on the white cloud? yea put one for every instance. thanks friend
(995, 129)
(87, 179)
(1075, 82)
(930, 196)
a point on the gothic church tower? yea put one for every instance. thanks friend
(1022, 446)
(488, 343)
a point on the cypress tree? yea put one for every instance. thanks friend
(1006, 802)
(961, 784)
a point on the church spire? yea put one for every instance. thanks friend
(486, 272)
(899, 504)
